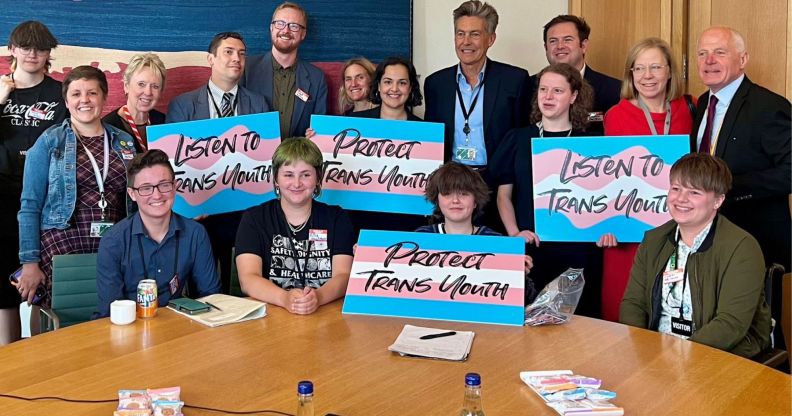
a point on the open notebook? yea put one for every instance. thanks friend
(231, 310)
(455, 347)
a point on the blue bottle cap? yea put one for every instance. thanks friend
(305, 387)
(472, 379)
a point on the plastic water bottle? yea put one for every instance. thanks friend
(472, 404)
(305, 405)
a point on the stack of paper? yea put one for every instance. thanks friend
(441, 344)
(228, 310)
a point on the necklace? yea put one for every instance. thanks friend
(298, 228)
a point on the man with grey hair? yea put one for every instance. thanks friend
(478, 99)
(747, 126)
(291, 86)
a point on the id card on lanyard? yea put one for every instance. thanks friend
(98, 228)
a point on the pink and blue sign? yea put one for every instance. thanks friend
(585, 187)
(222, 164)
(377, 165)
(438, 276)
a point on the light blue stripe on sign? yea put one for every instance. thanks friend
(436, 310)
(379, 128)
(430, 241)
(377, 202)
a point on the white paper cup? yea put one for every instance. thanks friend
(122, 312)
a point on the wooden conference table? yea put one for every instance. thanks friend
(256, 365)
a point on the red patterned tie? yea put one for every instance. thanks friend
(707, 136)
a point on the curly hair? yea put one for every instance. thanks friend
(579, 111)
(456, 177)
(415, 99)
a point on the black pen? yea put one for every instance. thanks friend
(213, 306)
(440, 335)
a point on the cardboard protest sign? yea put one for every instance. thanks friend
(438, 276)
(377, 165)
(222, 164)
(585, 187)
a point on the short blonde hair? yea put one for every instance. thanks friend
(343, 99)
(674, 87)
(145, 60)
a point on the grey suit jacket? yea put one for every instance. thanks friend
(310, 79)
(194, 105)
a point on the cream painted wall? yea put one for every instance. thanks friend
(519, 33)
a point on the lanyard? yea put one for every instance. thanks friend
(541, 130)
(214, 103)
(100, 177)
(133, 126)
(465, 112)
(175, 258)
(667, 125)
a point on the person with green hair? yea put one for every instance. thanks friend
(292, 251)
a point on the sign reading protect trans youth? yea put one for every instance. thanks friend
(222, 164)
(377, 165)
(438, 276)
(585, 187)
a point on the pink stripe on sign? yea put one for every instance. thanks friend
(437, 258)
(376, 147)
(461, 291)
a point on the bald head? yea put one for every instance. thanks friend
(721, 57)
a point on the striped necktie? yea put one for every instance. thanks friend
(228, 109)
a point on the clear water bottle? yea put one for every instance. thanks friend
(305, 405)
(472, 404)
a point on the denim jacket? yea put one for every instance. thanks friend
(49, 184)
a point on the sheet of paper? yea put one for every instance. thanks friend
(455, 347)
(231, 310)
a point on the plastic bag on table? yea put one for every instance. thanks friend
(556, 303)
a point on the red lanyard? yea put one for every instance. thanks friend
(135, 131)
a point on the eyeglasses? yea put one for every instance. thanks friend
(654, 69)
(27, 51)
(162, 187)
(294, 27)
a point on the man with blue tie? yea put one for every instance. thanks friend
(222, 96)
(478, 99)
(747, 126)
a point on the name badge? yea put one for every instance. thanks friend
(173, 285)
(302, 95)
(673, 276)
(99, 228)
(466, 154)
(318, 238)
(596, 116)
(38, 113)
(681, 327)
(127, 154)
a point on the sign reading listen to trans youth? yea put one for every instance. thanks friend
(585, 187)
(377, 165)
(222, 164)
(438, 276)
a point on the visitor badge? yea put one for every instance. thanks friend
(673, 276)
(99, 228)
(466, 154)
(38, 113)
(302, 95)
(681, 327)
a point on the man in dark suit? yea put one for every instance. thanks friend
(478, 99)
(566, 40)
(293, 87)
(220, 97)
(748, 126)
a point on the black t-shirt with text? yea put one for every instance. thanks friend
(295, 260)
(23, 117)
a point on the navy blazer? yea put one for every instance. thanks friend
(607, 90)
(507, 102)
(754, 141)
(194, 105)
(310, 79)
